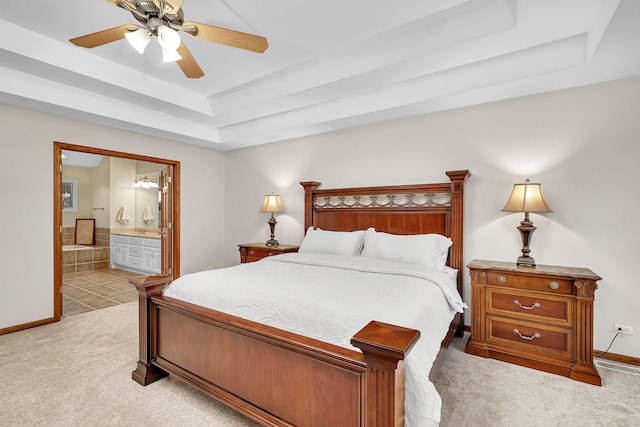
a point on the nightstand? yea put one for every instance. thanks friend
(540, 317)
(250, 252)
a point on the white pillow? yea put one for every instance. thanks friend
(332, 242)
(430, 250)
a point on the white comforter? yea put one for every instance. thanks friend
(330, 298)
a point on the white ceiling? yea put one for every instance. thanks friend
(330, 64)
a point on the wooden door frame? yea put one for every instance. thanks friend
(57, 210)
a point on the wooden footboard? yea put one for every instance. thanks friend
(274, 377)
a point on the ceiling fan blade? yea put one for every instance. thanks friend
(188, 64)
(228, 37)
(102, 37)
(175, 5)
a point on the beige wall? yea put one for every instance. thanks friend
(122, 173)
(83, 178)
(582, 144)
(26, 253)
(100, 193)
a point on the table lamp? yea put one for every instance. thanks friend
(526, 197)
(272, 204)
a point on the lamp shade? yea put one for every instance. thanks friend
(526, 197)
(139, 39)
(168, 38)
(169, 41)
(272, 203)
(170, 55)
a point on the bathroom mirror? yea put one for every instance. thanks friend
(147, 200)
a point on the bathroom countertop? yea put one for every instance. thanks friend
(149, 234)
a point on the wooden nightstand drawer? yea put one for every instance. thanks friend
(556, 309)
(534, 283)
(250, 252)
(529, 338)
(260, 253)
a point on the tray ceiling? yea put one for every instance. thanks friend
(330, 65)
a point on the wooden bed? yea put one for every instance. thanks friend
(280, 378)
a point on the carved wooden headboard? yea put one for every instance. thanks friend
(398, 209)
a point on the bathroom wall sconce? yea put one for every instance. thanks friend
(272, 204)
(526, 197)
(144, 183)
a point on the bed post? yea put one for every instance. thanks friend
(456, 252)
(384, 348)
(147, 286)
(309, 188)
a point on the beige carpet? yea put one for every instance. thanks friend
(485, 392)
(78, 373)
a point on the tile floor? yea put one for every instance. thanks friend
(96, 289)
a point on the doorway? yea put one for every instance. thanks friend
(168, 215)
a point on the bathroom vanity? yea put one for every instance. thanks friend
(136, 252)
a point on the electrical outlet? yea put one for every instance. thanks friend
(623, 329)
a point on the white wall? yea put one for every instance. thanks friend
(582, 144)
(26, 252)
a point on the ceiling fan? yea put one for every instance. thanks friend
(164, 19)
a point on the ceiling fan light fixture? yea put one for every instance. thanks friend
(170, 55)
(138, 39)
(164, 19)
(168, 38)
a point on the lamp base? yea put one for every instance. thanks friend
(272, 225)
(526, 229)
(526, 261)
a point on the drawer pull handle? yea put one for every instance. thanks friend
(554, 285)
(502, 279)
(524, 307)
(524, 337)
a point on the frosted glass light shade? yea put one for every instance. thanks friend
(170, 55)
(169, 41)
(145, 183)
(139, 39)
(168, 38)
